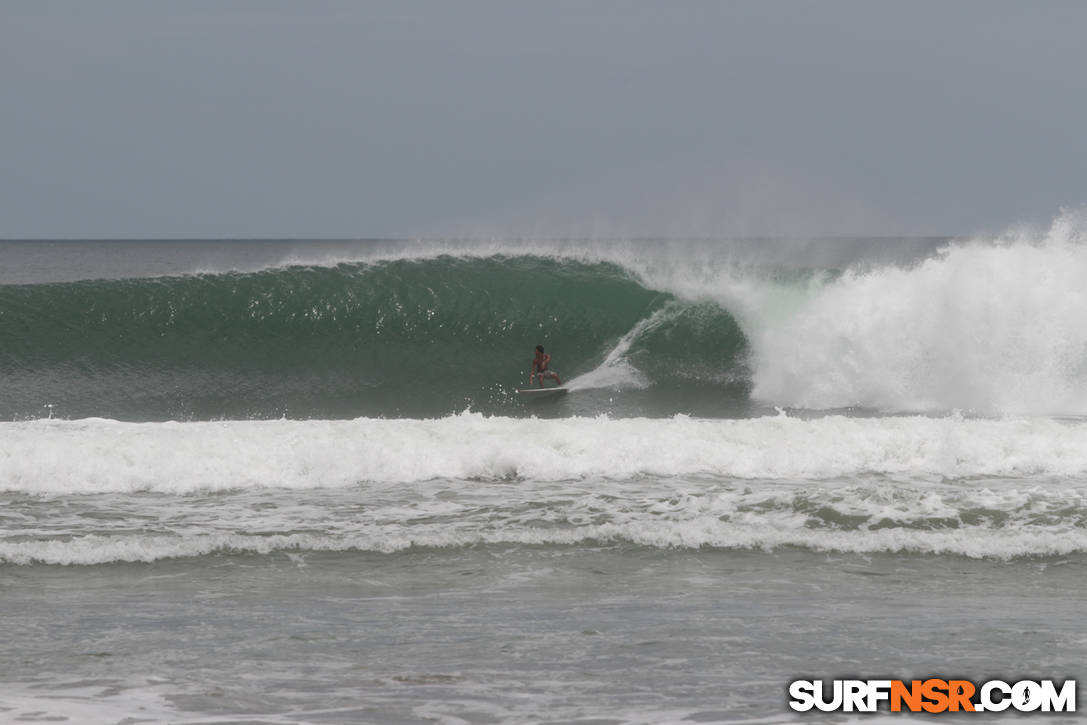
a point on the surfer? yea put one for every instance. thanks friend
(539, 367)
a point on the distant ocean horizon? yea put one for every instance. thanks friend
(285, 481)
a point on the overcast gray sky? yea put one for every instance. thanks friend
(408, 119)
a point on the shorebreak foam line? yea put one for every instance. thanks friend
(95, 549)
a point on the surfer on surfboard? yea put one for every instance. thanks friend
(539, 367)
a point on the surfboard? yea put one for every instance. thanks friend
(541, 393)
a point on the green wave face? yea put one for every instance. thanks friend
(399, 338)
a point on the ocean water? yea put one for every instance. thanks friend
(248, 481)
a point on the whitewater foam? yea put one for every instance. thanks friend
(971, 542)
(96, 456)
(993, 328)
(1002, 519)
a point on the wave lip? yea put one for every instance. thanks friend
(404, 337)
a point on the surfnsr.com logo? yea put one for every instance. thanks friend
(932, 695)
